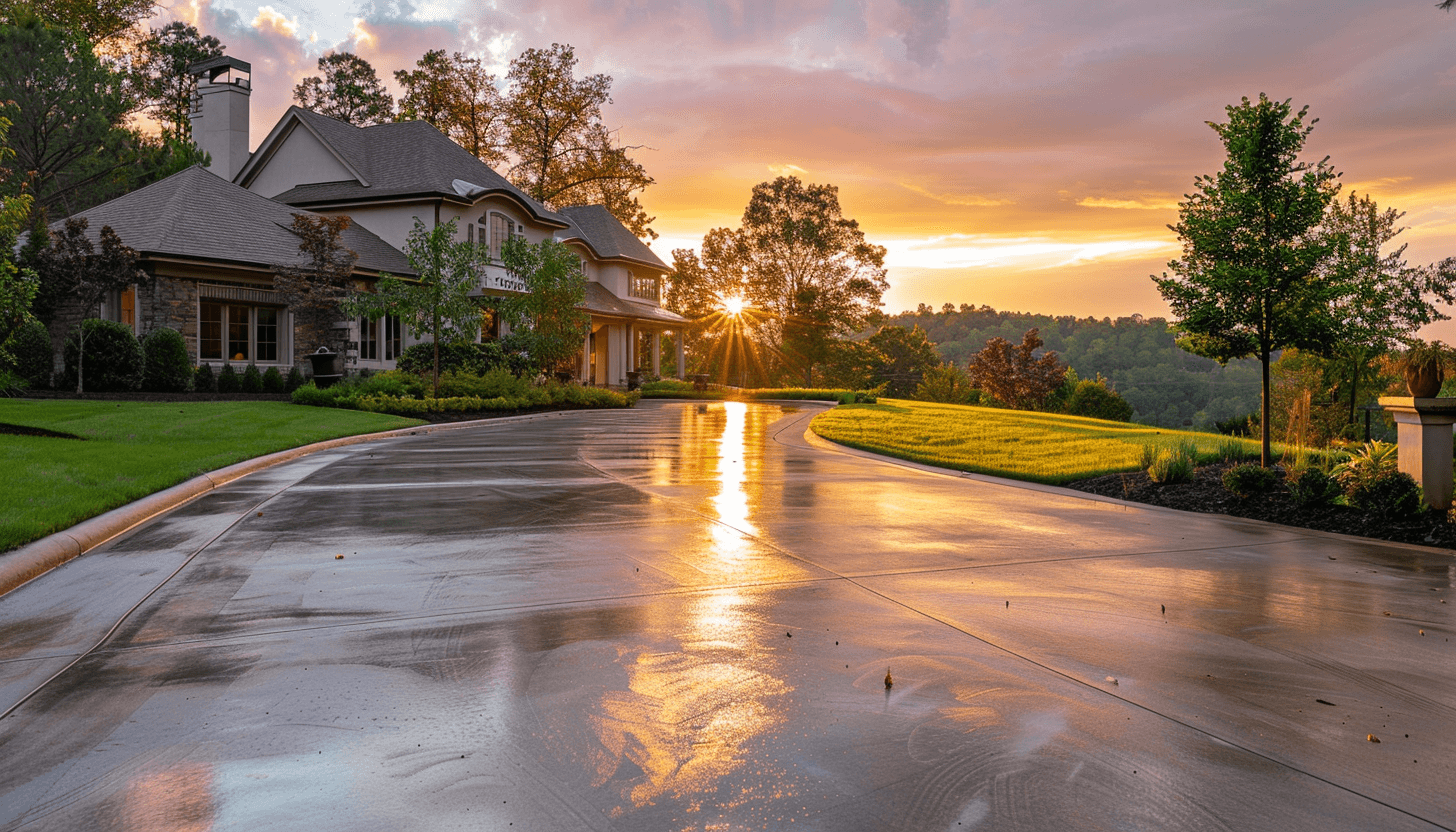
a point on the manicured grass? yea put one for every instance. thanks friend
(1040, 447)
(133, 449)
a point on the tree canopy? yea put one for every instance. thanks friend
(162, 80)
(317, 290)
(438, 302)
(348, 89)
(1249, 282)
(1016, 376)
(549, 315)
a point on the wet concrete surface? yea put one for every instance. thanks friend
(681, 617)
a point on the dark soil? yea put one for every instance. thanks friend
(1206, 494)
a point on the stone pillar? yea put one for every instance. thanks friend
(682, 357)
(657, 354)
(1423, 441)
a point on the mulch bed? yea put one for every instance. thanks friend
(1206, 494)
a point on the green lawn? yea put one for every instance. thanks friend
(1040, 447)
(133, 449)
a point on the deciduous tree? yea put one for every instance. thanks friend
(74, 267)
(317, 289)
(549, 314)
(1016, 376)
(348, 89)
(438, 301)
(564, 154)
(1249, 282)
(99, 21)
(457, 95)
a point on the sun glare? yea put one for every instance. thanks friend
(733, 305)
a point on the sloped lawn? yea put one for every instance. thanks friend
(1039, 447)
(127, 450)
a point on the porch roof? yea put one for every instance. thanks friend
(600, 301)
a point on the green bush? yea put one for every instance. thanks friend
(203, 380)
(12, 385)
(228, 381)
(32, 355)
(1249, 480)
(393, 383)
(252, 380)
(1173, 464)
(1096, 400)
(167, 368)
(947, 384)
(311, 395)
(273, 381)
(1390, 494)
(488, 385)
(1313, 487)
(1365, 466)
(294, 380)
(113, 360)
(454, 357)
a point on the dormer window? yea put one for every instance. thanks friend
(645, 286)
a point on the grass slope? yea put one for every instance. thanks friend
(1040, 447)
(133, 449)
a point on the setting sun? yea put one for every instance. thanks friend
(733, 305)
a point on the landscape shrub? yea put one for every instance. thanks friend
(113, 361)
(252, 380)
(1390, 494)
(167, 368)
(311, 395)
(12, 385)
(1313, 488)
(1248, 480)
(392, 383)
(1098, 401)
(947, 384)
(1238, 425)
(227, 380)
(204, 380)
(294, 380)
(488, 385)
(32, 356)
(1173, 463)
(1366, 465)
(273, 381)
(454, 356)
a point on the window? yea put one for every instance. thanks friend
(500, 231)
(232, 332)
(368, 340)
(391, 337)
(646, 286)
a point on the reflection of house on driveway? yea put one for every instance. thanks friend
(212, 242)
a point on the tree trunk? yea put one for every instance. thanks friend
(81, 357)
(1264, 410)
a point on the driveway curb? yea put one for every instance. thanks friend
(22, 565)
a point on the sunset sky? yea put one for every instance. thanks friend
(1029, 156)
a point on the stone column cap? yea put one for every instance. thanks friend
(1408, 404)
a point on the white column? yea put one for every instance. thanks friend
(682, 357)
(656, 353)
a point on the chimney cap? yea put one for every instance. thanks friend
(211, 66)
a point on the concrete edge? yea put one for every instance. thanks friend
(820, 442)
(26, 563)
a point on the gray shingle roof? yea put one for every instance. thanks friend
(400, 159)
(195, 214)
(595, 225)
(601, 300)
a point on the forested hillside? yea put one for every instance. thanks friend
(1165, 385)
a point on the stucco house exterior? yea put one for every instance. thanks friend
(211, 236)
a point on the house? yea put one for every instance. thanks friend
(212, 236)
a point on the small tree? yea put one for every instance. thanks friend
(550, 311)
(1248, 283)
(904, 357)
(74, 268)
(317, 289)
(439, 300)
(1014, 375)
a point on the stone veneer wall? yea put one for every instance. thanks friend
(171, 303)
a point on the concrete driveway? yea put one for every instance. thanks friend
(682, 617)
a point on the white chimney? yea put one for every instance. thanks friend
(220, 112)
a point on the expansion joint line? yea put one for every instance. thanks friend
(138, 605)
(1079, 682)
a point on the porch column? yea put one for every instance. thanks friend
(682, 357)
(631, 349)
(657, 354)
(583, 368)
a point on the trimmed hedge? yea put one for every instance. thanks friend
(403, 394)
(168, 369)
(674, 389)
